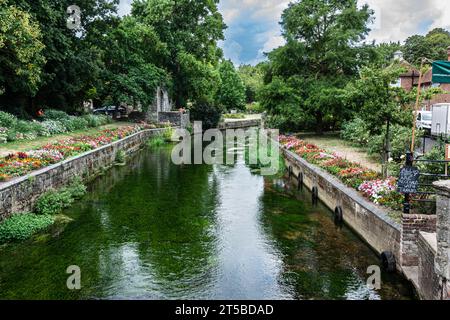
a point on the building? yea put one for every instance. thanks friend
(410, 80)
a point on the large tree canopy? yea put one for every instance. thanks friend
(190, 29)
(323, 52)
(252, 77)
(21, 57)
(231, 93)
(108, 58)
(131, 74)
(432, 46)
(73, 58)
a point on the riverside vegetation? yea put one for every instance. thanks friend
(22, 226)
(370, 183)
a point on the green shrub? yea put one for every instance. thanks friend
(156, 141)
(120, 157)
(254, 107)
(25, 127)
(52, 114)
(3, 135)
(22, 226)
(7, 120)
(75, 123)
(400, 142)
(355, 131)
(54, 127)
(207, 113)
(77, 189)
(54, 201)
(168, 133)
(437, 153)
(96, 120)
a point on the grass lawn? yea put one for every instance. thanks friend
(25, 145)
(333, 143)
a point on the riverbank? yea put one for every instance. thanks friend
(374, 225)
(157, 230)
(20, 194)
(26, 145)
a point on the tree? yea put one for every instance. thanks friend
(281, 100)
(253, 79)
(21, 47)
(321, 51)
(132, 51)
(73, 57)
(231, 93)
(190, 29)
(381, 104)
(432, 46)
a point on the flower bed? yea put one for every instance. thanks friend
(21, 163)
(366, 181)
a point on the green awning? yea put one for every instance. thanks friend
(441, 72)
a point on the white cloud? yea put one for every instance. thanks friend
(254, 24)
(125, 7)
(397, 20)
(232, 50)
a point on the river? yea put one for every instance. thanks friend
(154, 230)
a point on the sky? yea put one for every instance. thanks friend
(253, 25)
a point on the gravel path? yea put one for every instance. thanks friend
(333, 143)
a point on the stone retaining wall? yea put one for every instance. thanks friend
(365, 218)
(176, 118)
(20, 194)
(240, 124)
(429, 282)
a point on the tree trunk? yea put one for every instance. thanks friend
(386, 150)
(319, 123)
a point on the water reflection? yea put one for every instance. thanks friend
(153, 230)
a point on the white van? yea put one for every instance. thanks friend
(441, 120)
(424, 120)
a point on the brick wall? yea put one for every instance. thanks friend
(412, 224)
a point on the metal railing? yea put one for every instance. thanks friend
(426, 191)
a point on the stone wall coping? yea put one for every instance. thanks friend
(443, 187)
(10, 183)
(429, 239)
(353, 194)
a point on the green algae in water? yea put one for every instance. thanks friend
(153, 230)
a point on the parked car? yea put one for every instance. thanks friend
(424, 120)
(441, 120)
(113, 111)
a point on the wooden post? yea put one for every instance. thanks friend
(413, 143)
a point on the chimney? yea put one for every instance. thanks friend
(448, 53)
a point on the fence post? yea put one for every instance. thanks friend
(407, 203)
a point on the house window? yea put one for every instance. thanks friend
(397, 84)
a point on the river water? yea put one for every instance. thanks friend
(154, 230)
